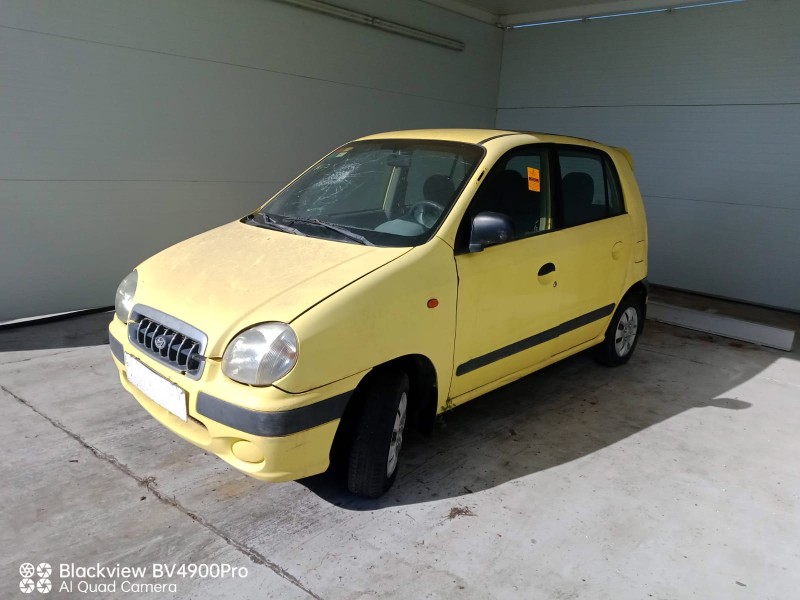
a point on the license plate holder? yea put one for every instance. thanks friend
(159, 389)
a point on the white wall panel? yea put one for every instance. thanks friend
(83, 233)
(708, 101)
(128, 126)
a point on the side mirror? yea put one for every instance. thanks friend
(488, 229)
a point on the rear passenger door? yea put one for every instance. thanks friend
(592, 242)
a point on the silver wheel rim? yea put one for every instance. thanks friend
(397, 435)
(625, 335)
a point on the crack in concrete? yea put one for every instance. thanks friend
(782, 382)
(14, 362)
(653, 349)
(149, 483)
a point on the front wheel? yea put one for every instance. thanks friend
(622, 334)
(375, 450)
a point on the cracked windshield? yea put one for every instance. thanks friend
(382, 193)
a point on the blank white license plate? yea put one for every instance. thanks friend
(161, 391)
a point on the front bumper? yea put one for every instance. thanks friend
(266, 433)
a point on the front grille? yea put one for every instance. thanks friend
(167, 344)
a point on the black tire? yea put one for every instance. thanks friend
(623, 333)
(370, 471)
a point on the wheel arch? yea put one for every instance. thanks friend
(423, 398)
(639, 289)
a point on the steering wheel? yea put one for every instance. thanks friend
(426, 212)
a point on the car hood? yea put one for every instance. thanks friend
(238, 275)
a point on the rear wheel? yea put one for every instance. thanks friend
(623, 333)
(375, 450)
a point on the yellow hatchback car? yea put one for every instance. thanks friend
(400, 276)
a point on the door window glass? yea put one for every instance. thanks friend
(589, 190)
(518, 187)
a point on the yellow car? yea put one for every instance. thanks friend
(400, 276)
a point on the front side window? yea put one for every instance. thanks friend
(589, 187)
(382, 192)
(518, 186)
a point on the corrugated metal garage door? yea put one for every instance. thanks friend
(708, 101)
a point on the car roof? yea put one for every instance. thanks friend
(477, 136)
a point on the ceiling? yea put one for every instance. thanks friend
(516, 12)
(511, 7)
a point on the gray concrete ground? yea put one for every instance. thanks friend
(672, 477)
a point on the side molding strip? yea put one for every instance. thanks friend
(534, 340)
(274, 423)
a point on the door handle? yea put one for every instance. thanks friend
(546, 269)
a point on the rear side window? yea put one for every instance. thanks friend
(589, 187)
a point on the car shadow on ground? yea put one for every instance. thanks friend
(567, 411)
(50, 334)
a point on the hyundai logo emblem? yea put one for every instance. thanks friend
(160, 342)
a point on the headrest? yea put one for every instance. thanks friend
(439, 189)
(578, 186)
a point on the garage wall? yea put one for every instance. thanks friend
(708, 101)
(128, 126)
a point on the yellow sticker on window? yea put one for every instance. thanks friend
(534, 183)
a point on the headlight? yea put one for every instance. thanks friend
(261, 355)
(124, 301)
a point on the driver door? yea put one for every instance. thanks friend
(508, 298)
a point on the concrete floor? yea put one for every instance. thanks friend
(673, 477)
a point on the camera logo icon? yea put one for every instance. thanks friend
(42, 572)
(26, 570)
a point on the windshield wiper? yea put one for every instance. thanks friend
(268, 222)
(340, 230)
